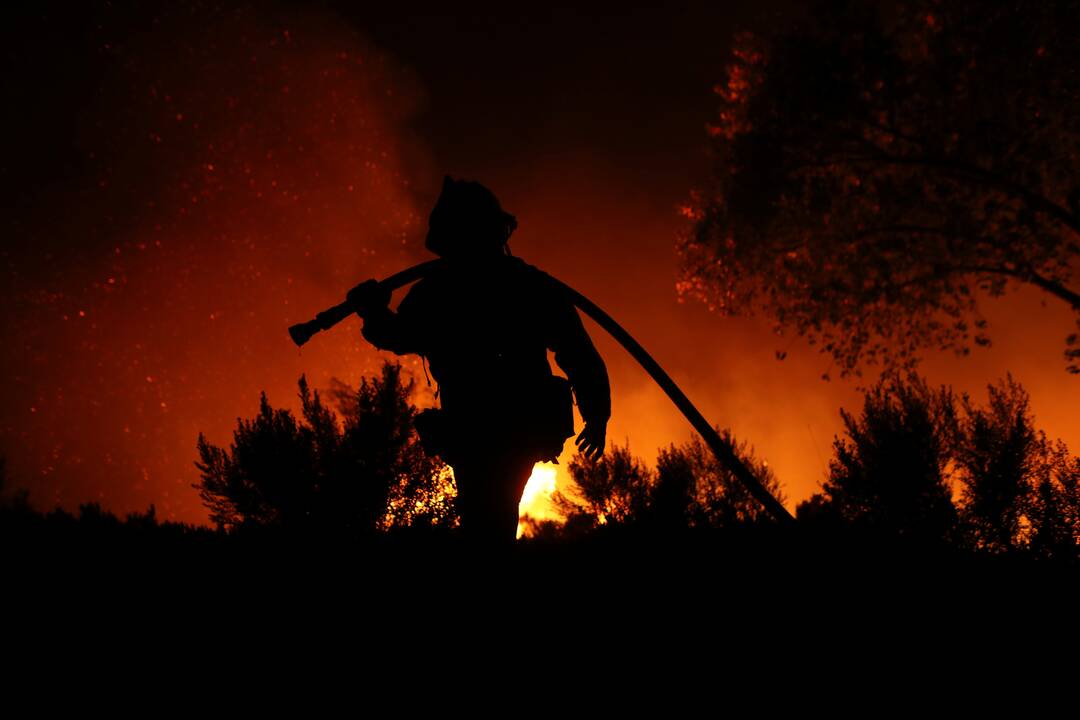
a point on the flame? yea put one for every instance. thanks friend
(538, 492)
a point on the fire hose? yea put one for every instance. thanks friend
(721, 448)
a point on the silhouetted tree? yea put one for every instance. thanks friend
(1053, 506)
(612, 489)
(689, 488)
(672, 495)
(890, 474)
(379, 438)
(713, 496)
(318, 474)
(1018, 491)
(876, 165)
(1000, 456)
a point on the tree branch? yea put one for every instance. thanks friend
(1053, 287)
(1029, 275)
(1039, 201)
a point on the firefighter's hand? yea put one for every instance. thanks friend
(592, 439)
(367, 297)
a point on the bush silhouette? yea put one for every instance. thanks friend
(999, 457)
(714, 496)
(317, 473)
(613, 489)
(1053, 506)
(690, 487)
(890, 475)
(912, 446)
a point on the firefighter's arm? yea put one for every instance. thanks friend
(383, 328)
(578, 357)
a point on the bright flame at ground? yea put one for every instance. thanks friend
(538, 491)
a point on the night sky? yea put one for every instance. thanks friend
(183, 185)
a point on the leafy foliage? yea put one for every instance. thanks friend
(688, 488)
(611, 489)
(716, 497)
(891, 473)
(913, 448)
(999, 459)
(365, 472)
(1053, 505)
(876, 167)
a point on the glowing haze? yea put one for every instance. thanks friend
(239, 172)
(225, 174)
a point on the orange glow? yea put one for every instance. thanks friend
(222, 212)
(535, 501)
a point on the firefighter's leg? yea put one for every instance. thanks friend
(489, 490)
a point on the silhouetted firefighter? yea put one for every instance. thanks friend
(484, 321)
